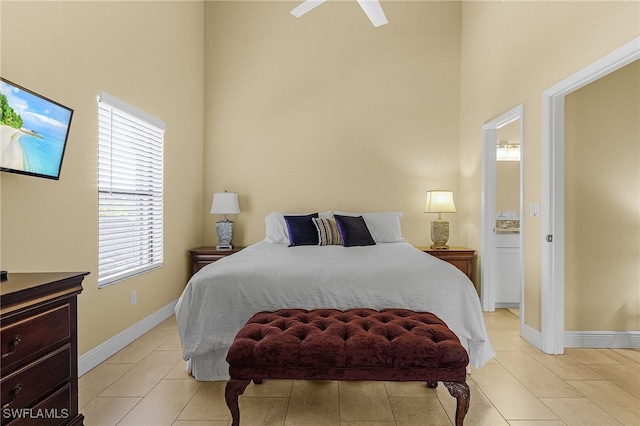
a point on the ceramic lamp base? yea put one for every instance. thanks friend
(224, 230)
(439, 234)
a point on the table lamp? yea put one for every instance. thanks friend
(225, 203)
(440, 202)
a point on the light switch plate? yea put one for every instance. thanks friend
(534, 209)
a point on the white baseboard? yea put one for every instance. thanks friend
(95, 356)
(588, 339)
(532, 336)
(507, 305)
(602, 339)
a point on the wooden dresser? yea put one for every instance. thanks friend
(38, 330)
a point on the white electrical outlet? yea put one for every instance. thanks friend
(134, 297)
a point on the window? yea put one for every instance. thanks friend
(130, 186)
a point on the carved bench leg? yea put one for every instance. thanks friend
(232, 391)
(460, 391)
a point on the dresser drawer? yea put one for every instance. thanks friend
(52, 411)
(26, 386)
(35, 335)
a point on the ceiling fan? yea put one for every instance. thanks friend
(371, 7)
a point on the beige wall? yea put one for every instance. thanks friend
(511, 53)
(602, 200)
(326, 112)
(66, 51)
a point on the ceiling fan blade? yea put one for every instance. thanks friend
(374, 11)
(306, 6)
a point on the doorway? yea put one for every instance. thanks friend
(507, 129)
(507, 269)
(553, 250)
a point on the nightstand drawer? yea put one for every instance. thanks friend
(201, 257)
(460, 257)
(34, 335)
(463, 265)
(205, 259)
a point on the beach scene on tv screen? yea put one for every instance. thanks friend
(33, 131)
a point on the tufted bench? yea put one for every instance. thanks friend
(356, 344)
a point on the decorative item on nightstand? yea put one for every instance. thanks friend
(440, 202)
(225, 203)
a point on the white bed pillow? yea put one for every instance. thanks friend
(276, 227)
(384, 226)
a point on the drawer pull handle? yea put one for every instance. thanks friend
(14, 394)
(13, 344)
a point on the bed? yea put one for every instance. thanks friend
(274, 274)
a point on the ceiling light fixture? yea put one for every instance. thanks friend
(507, 152)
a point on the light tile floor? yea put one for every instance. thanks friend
(146, 384)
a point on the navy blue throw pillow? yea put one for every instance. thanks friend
(354, 231)
(302, 230)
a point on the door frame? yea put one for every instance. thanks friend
(552, 235)
(488, 207)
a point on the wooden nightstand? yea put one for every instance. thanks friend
(460, 257)
(202, 256)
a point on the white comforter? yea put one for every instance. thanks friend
(221, 297)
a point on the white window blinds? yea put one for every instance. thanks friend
(130, 187)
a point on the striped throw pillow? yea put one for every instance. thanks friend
(328, 233)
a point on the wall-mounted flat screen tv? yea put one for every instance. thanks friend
(33, 132)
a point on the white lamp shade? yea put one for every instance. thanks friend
(225, 203)
(440, 202)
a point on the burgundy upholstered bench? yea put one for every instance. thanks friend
(357, 344)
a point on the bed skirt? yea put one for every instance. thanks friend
(210, 366)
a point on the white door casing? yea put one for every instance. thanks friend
(552, 262)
